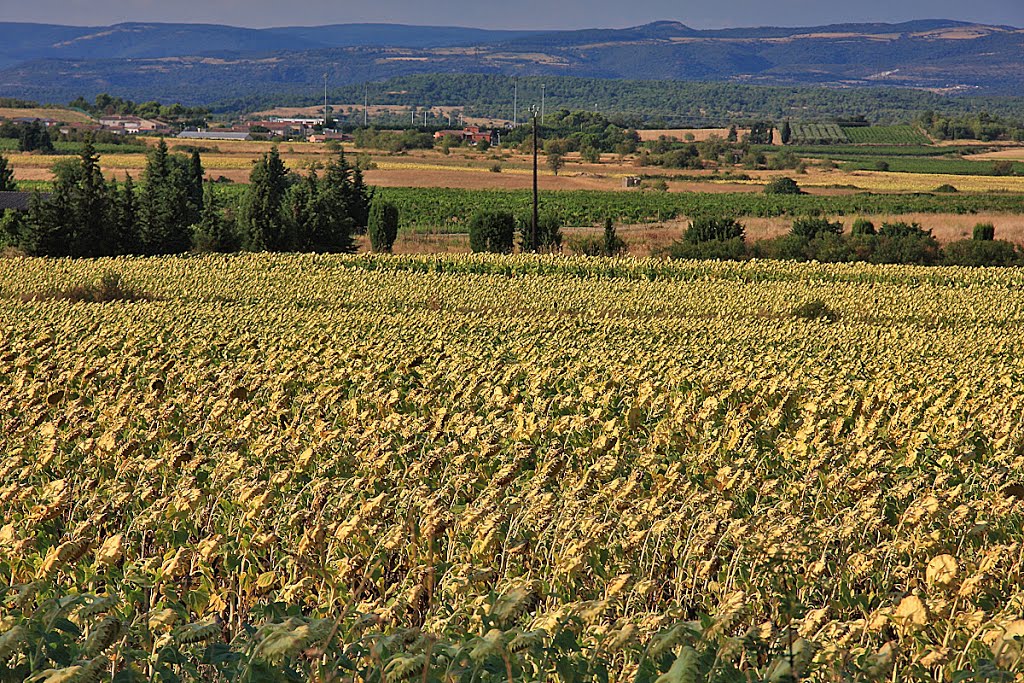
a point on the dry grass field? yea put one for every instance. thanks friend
(57, 114)
(687, 134)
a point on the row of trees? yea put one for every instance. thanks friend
(980, 126)
(174, 211)
(31, 137)
(814, 238)
(105, 105)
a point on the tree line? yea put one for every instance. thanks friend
(173, 210)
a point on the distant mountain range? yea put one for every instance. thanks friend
(202, 64)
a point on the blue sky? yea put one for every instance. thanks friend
(519, 14)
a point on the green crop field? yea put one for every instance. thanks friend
(450, 209)
(817, 134)
(832, 151)
(931, 165)
(505, 469)
(886, 135)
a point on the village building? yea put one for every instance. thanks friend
(133, 125)
(471, 134)
(214, 135)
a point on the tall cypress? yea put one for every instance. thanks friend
(7, 183)
(164, 212)
(92, 207)
(262, 220)
(126, 218)
(196, 173)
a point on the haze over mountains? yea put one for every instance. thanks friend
(201, 63)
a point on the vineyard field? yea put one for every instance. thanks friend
(448, 210)
(886, 135)
(818, 134)
(472, 469)
(932, 165)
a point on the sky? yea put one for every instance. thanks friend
(528, 14)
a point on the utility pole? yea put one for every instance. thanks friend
(325, 102)
(536, 204)
(515, 103)
(366, 105)
(542, 87)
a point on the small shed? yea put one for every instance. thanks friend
(631, 181)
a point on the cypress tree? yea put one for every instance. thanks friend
(165, 216)
(7, 183)
(92, 207)
(262, 220)
(126, 218)
(383, 227)
(196, 173)
(215, 232)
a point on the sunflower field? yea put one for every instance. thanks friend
(483, 469)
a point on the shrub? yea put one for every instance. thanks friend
(815, 310)
(984, 232)
(707, 229)
(492, 231)
(495, 168)
(782, 186)
(810, 227)
(549, 233)
(903, 229)
(613, 244)
(978, 253)
(106, 288)
(909, 249)
(862, 226)
(383, 226)
(1002, 168)
(782, 248)
(586, 245)
(946, 188)
(714, 250)
(881, 165)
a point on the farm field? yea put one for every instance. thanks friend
(886, 135)
(511, 468)
(55, 113)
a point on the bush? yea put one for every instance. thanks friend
(903, 229)
(922, 250)
(1002, 168)
(708, 229)
(549, 233)
(586, 245)
(108, 287)
(495, 168)
(978, 253)
(946, 189)
(815, 310)
(714, 250)
(492, 231)
(984, 232)
(782, 248)
(383, 226)
(613, 244)
(810, 227)
(782, 186)
(881, 165)
(862, 226)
